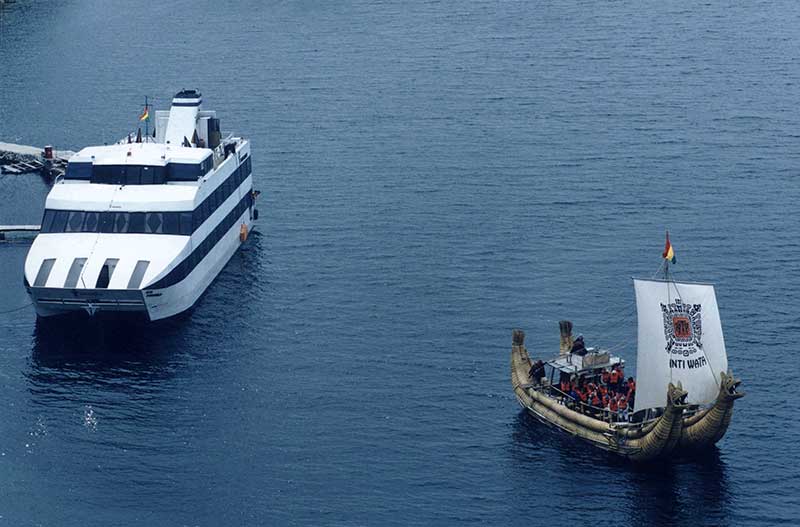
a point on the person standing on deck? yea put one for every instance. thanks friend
(578, 347)
(614, 380)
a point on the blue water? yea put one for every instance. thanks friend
(434, 174)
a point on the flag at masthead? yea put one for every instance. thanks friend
(668, 253)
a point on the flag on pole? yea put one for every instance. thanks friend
(145, 114)
(668, 253)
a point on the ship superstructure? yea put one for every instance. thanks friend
(144, 225)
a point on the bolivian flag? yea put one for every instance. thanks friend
(668, 253)
(145, 114)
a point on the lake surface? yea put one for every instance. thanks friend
(434, 174)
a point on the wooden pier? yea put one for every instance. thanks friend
(21, 159)
(18, 232)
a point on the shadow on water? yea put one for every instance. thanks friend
(112, 347)
(692, 489)
(105, 347)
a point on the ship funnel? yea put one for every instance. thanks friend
(183, 116)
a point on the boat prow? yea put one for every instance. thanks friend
(646, 441)
(706, 427)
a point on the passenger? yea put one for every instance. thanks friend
(631, 385)
(614, 380)
(536, 372)
(613, 406)
(605, 376)
(573, 395)
(578, 347)
(623, 409)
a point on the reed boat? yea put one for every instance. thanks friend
(684, 392)
(643, 441)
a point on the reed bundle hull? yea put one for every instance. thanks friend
(705, 428)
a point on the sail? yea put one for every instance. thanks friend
(680, 340)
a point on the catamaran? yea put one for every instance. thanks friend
(684, 393)
(144, 226)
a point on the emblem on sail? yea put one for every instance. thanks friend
(682, 327)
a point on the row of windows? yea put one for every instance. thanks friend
(180, 223)
(183, 269)
(139, 174)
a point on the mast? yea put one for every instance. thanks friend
(146, 121)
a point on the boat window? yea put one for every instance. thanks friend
(101, 174)
(90, 223)
(44, 272)
(170, 223)
(136, 222)
(131, 175)
(106, 222)
(77, 170)
(60, 221)
(182, 223)
(153, 223)
(138, 274)
(186, 222)
(74, 272)
(47, 220)
(128, 174)
(184, 171)
(147, 176)
(74, 222)
(121, 222)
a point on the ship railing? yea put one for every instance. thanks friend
(596, 412)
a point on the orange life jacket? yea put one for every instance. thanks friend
(595, 400)
(614, 377)
(623, 403)
(612, 405)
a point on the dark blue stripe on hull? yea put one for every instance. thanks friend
(197, 255)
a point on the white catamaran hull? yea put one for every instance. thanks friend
(155, 304)
(170, 301)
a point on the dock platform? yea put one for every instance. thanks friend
(22, 159)
(18, 232)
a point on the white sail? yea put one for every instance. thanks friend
(680, 339)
